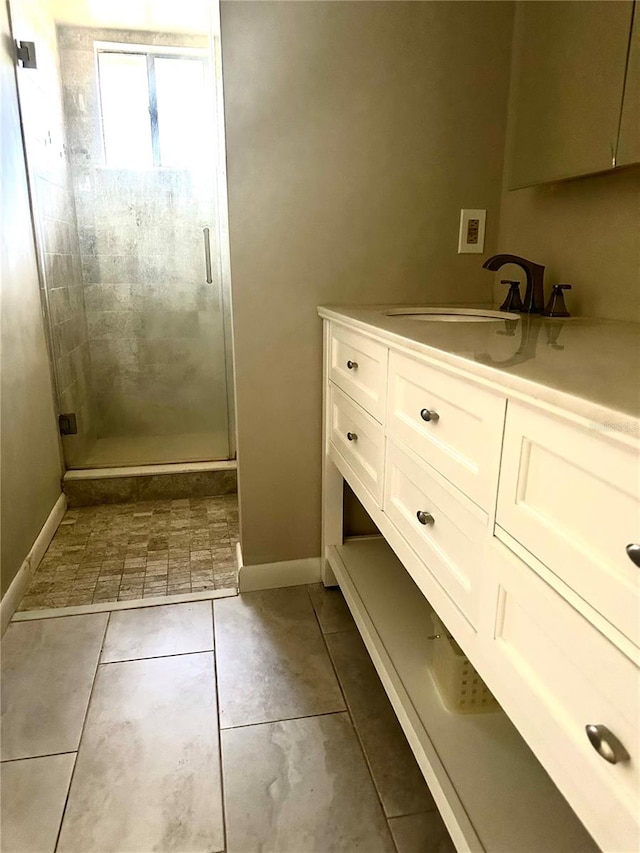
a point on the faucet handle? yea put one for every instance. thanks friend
(512, 302)
(534, 294)
(555, 305)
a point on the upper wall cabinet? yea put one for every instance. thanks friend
(569, 79)
(629, 142)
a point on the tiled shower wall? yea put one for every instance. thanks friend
(44, 124)
(155, 328)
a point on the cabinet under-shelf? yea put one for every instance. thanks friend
(492, 792)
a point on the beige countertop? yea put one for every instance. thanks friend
(587, 366)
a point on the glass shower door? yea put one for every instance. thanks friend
(138, 317)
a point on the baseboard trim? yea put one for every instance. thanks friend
(273, 575)
(13, 596)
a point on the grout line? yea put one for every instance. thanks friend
(157, 657)
(45, 755)
(352, 721)
(213, 629)
(82, 730)
(391, 835)
(220, 762)
(283, 720)
(414, 814)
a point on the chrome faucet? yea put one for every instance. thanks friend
(534, 295)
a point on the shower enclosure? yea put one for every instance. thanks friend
(122, 124)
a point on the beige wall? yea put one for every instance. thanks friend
(355, 133)
(30, 470)
(587, 234)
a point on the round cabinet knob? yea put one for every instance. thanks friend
(352, 436)
(352, 365)
(429, 415)
(633, 552)
(424, 517)
(606, 744)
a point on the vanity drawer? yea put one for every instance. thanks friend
(571, 496)
(451, 541)
(554, 674)
(462, 439)
(358, 365)
(358, 438)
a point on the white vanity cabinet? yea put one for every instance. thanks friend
(509, 518)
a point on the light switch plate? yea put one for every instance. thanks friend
(471, 236)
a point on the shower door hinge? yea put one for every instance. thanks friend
(26, 54)
(68, 423)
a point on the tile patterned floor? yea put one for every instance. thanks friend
(149, 763)
(124, 552)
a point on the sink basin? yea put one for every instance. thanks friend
(451, 315)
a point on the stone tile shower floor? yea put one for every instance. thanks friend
(125, 552)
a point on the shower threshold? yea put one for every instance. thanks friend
(135, 483)
(115, 471)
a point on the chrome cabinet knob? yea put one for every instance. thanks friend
(352, 436)
(424, 517)
(606, 744)
(352, 365)
(429, 415)
(634, 554)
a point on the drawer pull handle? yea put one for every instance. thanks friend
(424, 517)
(606, 744)
(352, 436)
(634, 554)
(352, 365)
(429, 415)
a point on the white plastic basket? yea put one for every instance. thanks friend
(461, 688)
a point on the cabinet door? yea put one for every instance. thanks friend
(629, 142)
(569, 495)
(570, 61)
(554, 674)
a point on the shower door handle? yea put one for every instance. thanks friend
(207, 254)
